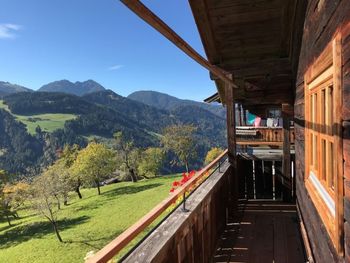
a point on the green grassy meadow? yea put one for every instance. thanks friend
(85, 224)
(47, 122)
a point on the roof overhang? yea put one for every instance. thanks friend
(258, 41)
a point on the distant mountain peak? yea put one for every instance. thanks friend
(7, 88)
(167, 102)
(78, 88)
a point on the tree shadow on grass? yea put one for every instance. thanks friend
(110, 194)
(7, 227)
(94, 243)
(132, 189)
(26, 232)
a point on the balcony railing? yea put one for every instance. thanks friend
(248, 135)
(205, 214)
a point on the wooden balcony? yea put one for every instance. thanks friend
(262, 231)
(191, 229)
(213, 226)
(273, 136)
(190, 236)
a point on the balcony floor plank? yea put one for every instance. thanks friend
(262, 232)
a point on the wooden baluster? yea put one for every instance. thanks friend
(254, 174)
(273, 181)
(263, 174)
(287, 111)
(231, 143)
(292, 175)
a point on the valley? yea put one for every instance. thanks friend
(75, 113)
(47, 122)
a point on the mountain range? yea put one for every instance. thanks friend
(98, 114)
(152, 98)
(7, 88)
(167, 102)
(78, 88)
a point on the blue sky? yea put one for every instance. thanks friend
(47, 40)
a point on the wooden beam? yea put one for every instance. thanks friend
(257, 143)
(150, 18)
(231, 123)
(286, 162)
(231, 145)
(202, 19)
(338, 143)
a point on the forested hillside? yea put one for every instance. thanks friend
(97, 115)
(155, 119)
(26, 103)
(18, 149)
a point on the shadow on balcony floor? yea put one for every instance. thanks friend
(262, 232)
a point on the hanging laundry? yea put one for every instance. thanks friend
(269, 122)
(251, 118)
(275, 122)
(257, 121)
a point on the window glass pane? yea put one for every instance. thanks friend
(314, 111)
(274, 113)
(330, 166)
(329, 107)
(323, 111)
(314, 151)
(323, 160)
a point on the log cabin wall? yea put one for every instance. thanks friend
(324, 18)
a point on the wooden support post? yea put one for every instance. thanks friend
(263, 173)
(273, 181)
(245, 186)
(240, 120)
(231, 142)
(287, 112)
(254, 186)
(244, 116)
(292, 174)
(231, 124)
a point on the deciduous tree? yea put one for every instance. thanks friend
(59, 176)
(68, 157)
(94, 163)
(180, 140)
(127, 155)
(6, 209)
(150, 162)
(44, 202)
(212, 154)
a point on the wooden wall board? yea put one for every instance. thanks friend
(322, 22)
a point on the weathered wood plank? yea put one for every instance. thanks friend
(287, 113)
(338, 143)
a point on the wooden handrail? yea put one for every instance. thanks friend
(115, 246)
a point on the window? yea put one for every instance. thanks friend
(323, 145)
(274, 113)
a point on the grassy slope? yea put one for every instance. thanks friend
(87, 224)
(48, 122)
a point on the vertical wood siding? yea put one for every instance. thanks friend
(323, 20)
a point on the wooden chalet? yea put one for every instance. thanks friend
(277, 194)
